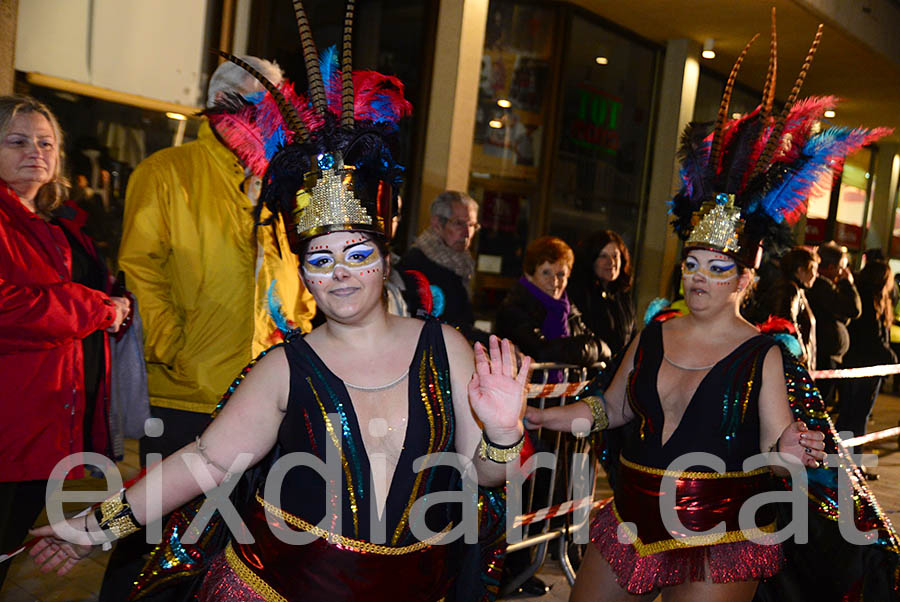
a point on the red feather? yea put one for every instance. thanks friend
(238, 134)
(423, 288)
(776, 324)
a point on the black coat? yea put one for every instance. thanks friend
(520, 318)
(608, 313)
(870, 338)
(787, 299)
(833, 305)
(457, 306)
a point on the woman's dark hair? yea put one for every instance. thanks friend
(588, 251)
(795, 259)
(876, 281)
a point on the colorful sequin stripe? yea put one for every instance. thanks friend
(434, 392)
(354, 507)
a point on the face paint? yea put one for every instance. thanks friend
(721, 271)
(358, 257)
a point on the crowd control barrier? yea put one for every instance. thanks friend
(541, 498)
(881, 370)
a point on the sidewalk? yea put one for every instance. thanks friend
(25, 584)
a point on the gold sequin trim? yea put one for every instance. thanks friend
(690, 541)
(254, 581)
(427, 362)
(354, 545)
(691, 474)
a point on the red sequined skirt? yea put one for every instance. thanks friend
(651, 558)
(323, 570)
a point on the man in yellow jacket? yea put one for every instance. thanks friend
(201, 272)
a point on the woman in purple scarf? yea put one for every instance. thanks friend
(536, 314)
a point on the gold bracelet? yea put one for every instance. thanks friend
(598, 412)
(499, 453)
(115, 515)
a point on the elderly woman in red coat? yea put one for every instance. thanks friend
(55, 311)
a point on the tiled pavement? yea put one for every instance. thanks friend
(26, 584)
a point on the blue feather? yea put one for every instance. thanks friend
(439, 301)
(276, 311)
(789, 342)
(275, 142)
(329, 66)
(789, 195)
(656, 307)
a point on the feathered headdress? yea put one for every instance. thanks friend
(746, 181)
(324, 157)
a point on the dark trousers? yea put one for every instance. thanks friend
(856, 399)
(129, 555)
(21, 503)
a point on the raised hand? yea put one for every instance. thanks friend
(801, 443)
(497, 390)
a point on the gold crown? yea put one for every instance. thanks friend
(327, 202)
(717, 225)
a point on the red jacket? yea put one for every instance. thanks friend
(43, 317)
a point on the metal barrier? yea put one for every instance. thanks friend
(539, 505)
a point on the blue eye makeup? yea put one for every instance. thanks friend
(357, 257)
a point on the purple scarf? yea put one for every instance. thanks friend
(556, 322)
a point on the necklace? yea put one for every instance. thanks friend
(666, 357)
(378, 387)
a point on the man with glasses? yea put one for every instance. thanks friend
(441, 254)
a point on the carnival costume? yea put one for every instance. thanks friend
(745, 182)
(703, 497)
(343, 564)
(327, 167)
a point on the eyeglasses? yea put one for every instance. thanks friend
(461, 225)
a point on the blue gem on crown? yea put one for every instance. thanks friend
(325, 161)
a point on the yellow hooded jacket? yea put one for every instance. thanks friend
(201, 272)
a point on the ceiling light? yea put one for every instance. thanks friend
(708, 52)
(495, 123)
(602, 60)
(503, 103)
(829, 114)
(175, 116)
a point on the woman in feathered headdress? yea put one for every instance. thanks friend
(707, 392)
(347, 412)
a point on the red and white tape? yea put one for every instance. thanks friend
(882, 370)
(557, 510)
(555, 390)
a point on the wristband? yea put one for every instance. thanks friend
(115, 516)
(598, 412)
(501, 454)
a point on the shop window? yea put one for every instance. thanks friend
(561, 133)
(597, 181)
(513, 111)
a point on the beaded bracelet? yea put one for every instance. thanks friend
(598, 412)
(501, 454)
(114, 514)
